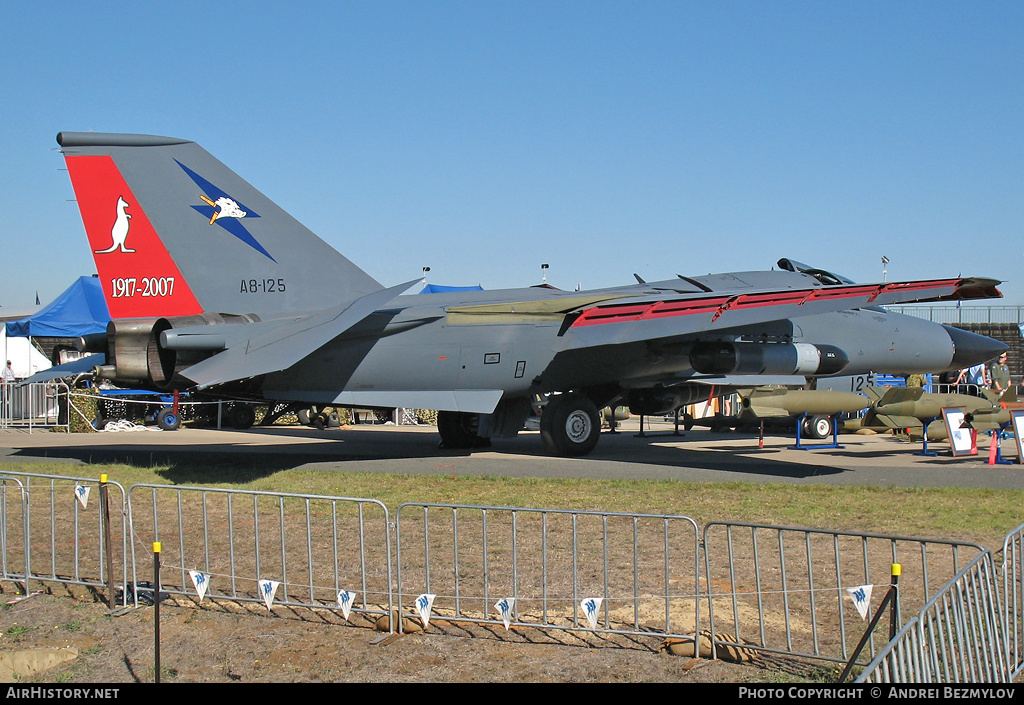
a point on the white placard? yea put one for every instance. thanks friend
(1017, 423)
(424, 603)
(345, 600)
(861, 596)
(201, 581)
(268, 588)
(591, 607)
(504, 607)
(960, 439)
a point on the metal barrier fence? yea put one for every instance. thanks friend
(770, 588)
(973, 390)
(958, 637)
(312, 547)
(32, 405)
(784, 589)
(59, 530)
(1012, 574)
(602, 571)
(15, 560)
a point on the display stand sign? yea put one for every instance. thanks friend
(960, 440)
(1017, 423)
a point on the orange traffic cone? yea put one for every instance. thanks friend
(993, 449)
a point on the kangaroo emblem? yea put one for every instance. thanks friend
(119, 233)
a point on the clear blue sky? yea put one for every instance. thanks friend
(484, 138)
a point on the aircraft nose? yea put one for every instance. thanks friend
(971, 349)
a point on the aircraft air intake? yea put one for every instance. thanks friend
(722, 358)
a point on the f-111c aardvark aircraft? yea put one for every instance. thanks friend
(211, 286)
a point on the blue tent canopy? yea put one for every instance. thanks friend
(439, 289)
(79, 311)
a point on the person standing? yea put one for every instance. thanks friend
(999, 373)
(8, 374)
(978, 375)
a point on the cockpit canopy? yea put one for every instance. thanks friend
(791, 265)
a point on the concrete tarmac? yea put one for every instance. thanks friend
(697, 455)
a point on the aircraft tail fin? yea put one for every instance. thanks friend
(1007, 397)
(174, 232)
(873, 393)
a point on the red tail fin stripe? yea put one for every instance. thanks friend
(138, 276)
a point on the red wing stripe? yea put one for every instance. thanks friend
(717, 305)
(881, 290)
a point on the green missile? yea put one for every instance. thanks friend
(774, 402)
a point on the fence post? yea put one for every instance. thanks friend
(894, 606)
(156, 611)
(105, 521)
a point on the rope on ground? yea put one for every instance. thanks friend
(124, 425)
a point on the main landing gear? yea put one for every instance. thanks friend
(570, 424)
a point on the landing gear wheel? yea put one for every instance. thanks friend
(817, 426)
(167, 420)
(458, 430)
(303, 416)
(241, 416)
(570, 424)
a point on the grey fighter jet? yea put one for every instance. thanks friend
(211, 286)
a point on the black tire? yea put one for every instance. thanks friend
(303, 416)
(458, 430)
(241, 416)
(817, 426)
(167, 419)
(570, 424)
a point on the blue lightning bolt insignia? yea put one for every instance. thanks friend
(225, 211)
